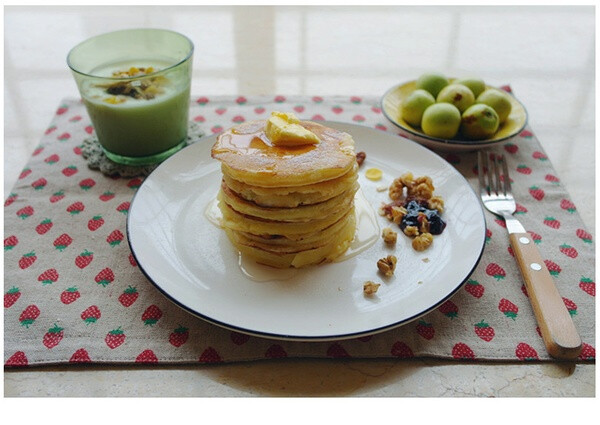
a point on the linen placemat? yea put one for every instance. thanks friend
(73, 292)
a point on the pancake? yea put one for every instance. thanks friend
(293, 230)
(302, 213)
(315, 238)
(247, 155)
(287, 206)
(294, 196)
(326, 253)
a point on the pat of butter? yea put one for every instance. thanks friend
(284, 129)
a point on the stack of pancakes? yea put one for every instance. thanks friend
(287, 206)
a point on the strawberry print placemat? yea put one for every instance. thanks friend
(73, 292)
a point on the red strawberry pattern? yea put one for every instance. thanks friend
(63, 220)
(115, 338)
(449, 309)
(134, 183)
(17, 359)
(128, 297)
(402, 350)
(76, 208)
(123, 207)
(537, 193)
(568, 206)
(48, 277)
(526, 352)
(584, 235)
(552, 222)
(11, 297)
(69, 295)
(25, 212)
(474, 288)
(511, 148)
(146, 356)
(587, 352)
(44, 226)
(151, 315)
(552, 179)
(91, 314)
(70, 170)
(80, 356)
(106, 196)
(105, 276)
(337, 351)
(588, 286)
(276, 351)
(12, 197)
(115, 237)
(10, 242)
(53, 337)
(463, 352)
(87, 184)
(570, 305)
(568, 250)
(29, 315)
(425, 330)
(495, 271)
(57, 196)
(27, 260)
(210, 355)
(26, 171)
(239, 338)
(95, 223)
(552, 267)
(39, 184)
(84, 259)
(484, 331)
(62, 242)
(508, 308)
(179, 336)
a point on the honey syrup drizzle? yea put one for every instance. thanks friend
(252, 140)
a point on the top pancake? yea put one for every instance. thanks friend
(247, 155)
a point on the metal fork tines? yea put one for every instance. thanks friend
(495, 189)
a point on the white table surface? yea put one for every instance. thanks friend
(546, 54)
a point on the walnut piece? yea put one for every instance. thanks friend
(389, 236)
(395, 190)
(423, 223)
(387, 265)
(398, 214)
(370, 288)
(436, 203)
(411, 231)
(422, 242)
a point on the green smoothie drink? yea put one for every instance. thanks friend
(137, 97)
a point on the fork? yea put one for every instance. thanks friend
(556, 326)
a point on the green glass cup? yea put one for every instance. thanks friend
(135, 85)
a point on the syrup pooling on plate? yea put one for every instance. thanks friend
(367, 228)
(367, 233)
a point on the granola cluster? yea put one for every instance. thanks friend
(137, 88)
(415, 209)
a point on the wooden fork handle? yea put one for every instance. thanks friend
(557, 328)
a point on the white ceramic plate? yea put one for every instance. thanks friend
(192, 262)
